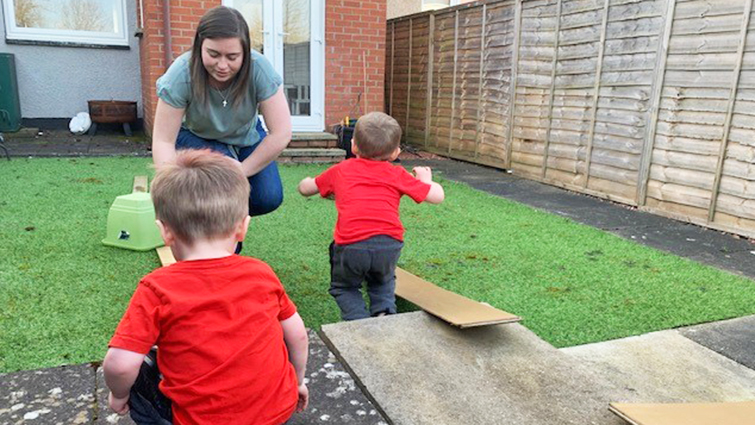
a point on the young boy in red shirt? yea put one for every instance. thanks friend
(369, 236)
(232, 348)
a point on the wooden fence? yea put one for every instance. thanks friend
(646, 102)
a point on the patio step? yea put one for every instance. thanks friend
(667, 367)
(313, 140)
(419, 370)
(312, 155)
(312, 148)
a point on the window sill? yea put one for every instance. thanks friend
(65, 44)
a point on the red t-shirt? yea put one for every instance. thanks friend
(221, 349)
(368, 194)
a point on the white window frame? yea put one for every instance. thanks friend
(273, 42)
(48, 35)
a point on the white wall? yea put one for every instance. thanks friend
(57, 81)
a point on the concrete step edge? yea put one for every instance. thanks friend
(313, 136)
(314, 152)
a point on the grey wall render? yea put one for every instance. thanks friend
(57, 81)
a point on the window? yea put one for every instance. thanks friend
(98, 22)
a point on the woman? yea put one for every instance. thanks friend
(209, 97)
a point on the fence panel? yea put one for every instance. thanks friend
(696, 110)
(646, 102)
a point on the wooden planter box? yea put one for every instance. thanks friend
(112, 112)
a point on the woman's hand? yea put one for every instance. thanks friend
(278, 120)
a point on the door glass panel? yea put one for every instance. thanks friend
(296, 55)
(252, 12)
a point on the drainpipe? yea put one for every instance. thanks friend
(141, 14)
(168, 44)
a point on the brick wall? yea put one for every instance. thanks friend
(351, 27)
(152, 60)
(185, 16)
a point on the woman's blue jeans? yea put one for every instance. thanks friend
(267, 190)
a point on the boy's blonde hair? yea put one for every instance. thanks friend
(200, 195)
(377, 135)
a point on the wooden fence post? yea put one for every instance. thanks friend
(596, 94)
(409, 81)
(479, 84)
(453, 91)
(730, 111)
(552, 93)
(430, 64)
(512, 84)
(656, 92)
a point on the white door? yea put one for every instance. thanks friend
(291, 34)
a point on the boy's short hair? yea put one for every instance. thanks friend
(377, 135)
(201, 194)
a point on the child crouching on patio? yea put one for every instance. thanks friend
(232, 348)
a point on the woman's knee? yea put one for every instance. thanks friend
(259, 205)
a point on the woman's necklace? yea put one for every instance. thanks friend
(225, 99)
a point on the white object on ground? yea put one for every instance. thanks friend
(80, 123)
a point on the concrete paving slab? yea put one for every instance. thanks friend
(731, 338)
(419, 370)
(61, 143)
(663, 367)
(105, 416)
(334, 396)
(62, 395)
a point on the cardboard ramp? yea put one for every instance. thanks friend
(446, 305)
(734, 413)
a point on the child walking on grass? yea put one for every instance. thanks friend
(232, 348)
(369, 235)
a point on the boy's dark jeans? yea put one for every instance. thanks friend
(372, 260)
(147, 405)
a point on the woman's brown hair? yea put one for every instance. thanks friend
(218, 23)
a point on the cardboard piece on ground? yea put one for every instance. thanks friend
(140, 184)
(451, 307)
(166, 255)
(732, 413)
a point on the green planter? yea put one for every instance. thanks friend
(131, 223)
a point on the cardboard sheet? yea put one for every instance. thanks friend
(449, 306)
(731, 413)
(140, 184)
(166, 255)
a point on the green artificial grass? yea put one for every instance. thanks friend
(62, 292)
